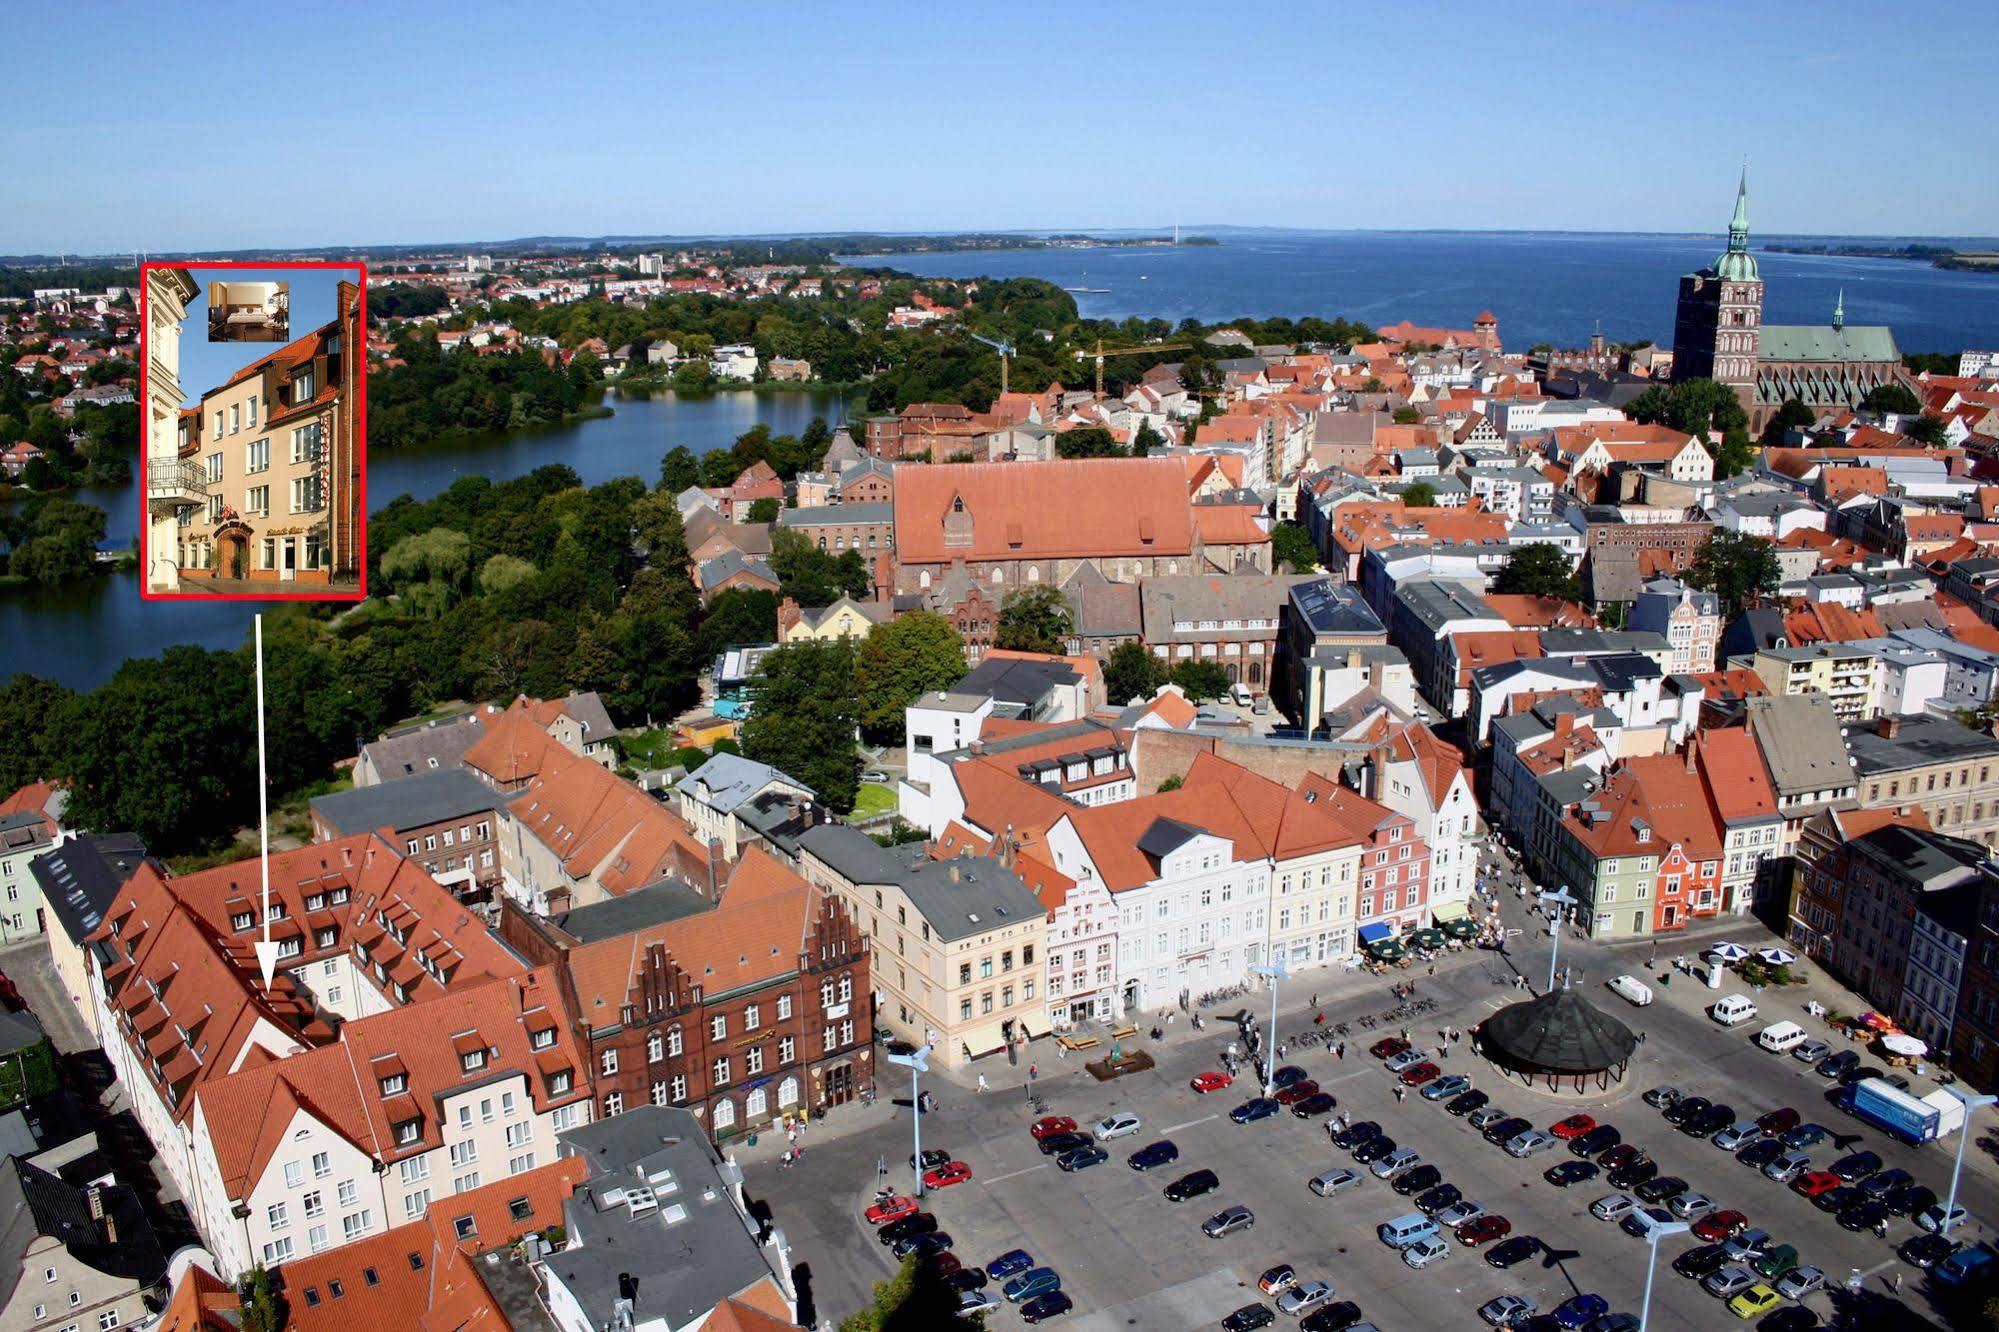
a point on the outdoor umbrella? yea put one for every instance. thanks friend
(1461, 929)
(1776, 957)
(1427, 938)
(1906, 1046)
(1728, 952)
(1388, 950)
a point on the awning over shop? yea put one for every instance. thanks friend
(1374, 933)
(1450, 911)
(983, 1039)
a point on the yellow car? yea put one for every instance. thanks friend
(1759, 1299)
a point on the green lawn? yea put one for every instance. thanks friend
(874, 800)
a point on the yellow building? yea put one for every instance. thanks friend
(845, 618)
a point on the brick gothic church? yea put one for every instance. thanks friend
(1719, 334)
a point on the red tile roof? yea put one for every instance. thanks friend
(1071, 509)
(602, 827)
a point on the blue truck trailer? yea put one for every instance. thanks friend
(1888, 1108)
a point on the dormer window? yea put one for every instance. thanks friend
(395, 1084)
(408, 1131)
(560, 1083)
(472, 1060)
(242, 920)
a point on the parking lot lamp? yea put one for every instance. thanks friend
(1659, 1232)
(1564, 898)
(1971, 1102)
(1276, 971)
(918, 1063)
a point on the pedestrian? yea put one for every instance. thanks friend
(1033, 1072)
(1340, 1050)
(1315, 1001)
(1895, 1284)
(982, 1082)
(1400, 1092)
(1433, 968)
(1061, 1052)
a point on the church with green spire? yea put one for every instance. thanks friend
(1719, 334)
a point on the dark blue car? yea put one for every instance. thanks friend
(1251, 1111)
(1009, 1263)
(1581, 1310)
(1287, 1075)
(1158, 1153)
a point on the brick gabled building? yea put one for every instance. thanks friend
(740, 1010)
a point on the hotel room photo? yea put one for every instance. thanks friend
(249, 311)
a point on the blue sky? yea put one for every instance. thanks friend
(205, 364)
(283, 125)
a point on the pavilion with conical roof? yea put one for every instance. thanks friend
(1560, 1040)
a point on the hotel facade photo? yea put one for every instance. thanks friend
(255, 488)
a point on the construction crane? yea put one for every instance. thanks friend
(1005, 350)
(1101, 352)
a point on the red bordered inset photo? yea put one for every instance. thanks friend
(253, 467)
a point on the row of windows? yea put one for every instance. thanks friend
(466, 832)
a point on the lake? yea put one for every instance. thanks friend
(1545, 287)
(79, 632)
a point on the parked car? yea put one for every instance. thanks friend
(1356, 1133)
(1760, 1153)
(1115, 1126)
(934, 1241)
(1228, 1221)
(1787, 1166)
(1434, 1200)
(1335, 1182)
(1154, 1154)
(1050, 1125)
(1837, 1200)
(1484, 1230)
(1304, 1297)
(1717, 1226)
(1374, 1149)
(1932, 1218)
(1926, 1251)
(1212, 1081)
(1790, 1318)
(1597, 1141)
(1663, 1098)
(1446, 1087)
(1886, 1182)
(1729, 1282)
(1388, 1047)
(1512, 1252)
(1468, 1102)
(1405, 1058)
(1852, 1169)
(1745, 1246)
(1737, 1136)
(1774, 1261)
(1261, 1107)
(1276, 1280)
(1192, 1185)
(968, 1278)
(1340, 1316)
(944, 1176)
(1057, 1143)
(1318, 1103)
(1417, 1074)
(1811, 1052)
(1564, 1173)
(1394, 1163)
(1690, 1206)
(934, 1157)
(1249, 1318)
(1701, 1262)
(892, 1209)
(1781, 1120)
(1612, 1206)
(1484, 1116)
(1837, 1063)
(1011, 1263)
(972, 1303)
(1508, 1311)
(1506, 1130)
(1709, 1122)
(1288, 1075)
(1081, 1158)
(1426, 1251)
(918, 1223)
(1800, 1282)
(1805, 1135)
(1620, 1156)
(1687, 1108)
(1910, 1200)
(1758, 1300)
(1862, 1074)
(1636, 1173)
(1460, 1213)
(1661, 1187)
(1419, 1179)
(1297, 1091)
(1572, 1127)
(1640, 1222)
(1578, 1311)
(1813, 1183)
(1044, 1307)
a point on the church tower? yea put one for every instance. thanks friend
(1717, 331)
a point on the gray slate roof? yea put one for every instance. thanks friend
(430, 797)
(836, 515)
(1560, 1032)
(727, 780)
(1919, 742)
(968, 895)
(80, 879)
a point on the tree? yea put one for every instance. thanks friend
(1201, 680)
(1088, 442)
(1702, 408)
(813, 577)
(1291, 545)
(737, 616)
(657, 524)
(1173, 783)
(803, 716)
(1736, 568)
(263, 1309)
(1132, 672)
(1539, 570)
(1147, 439)
(1407, 416)
(428, 569)
(1034, 619)
(679, 470)
(1791, 416)
(503, 571)
(31, 729)
(1895, 397)
(1927, 430)
(60, 541)
(915, 1299)
(765, 510)
(1420, 495)
(899, 661)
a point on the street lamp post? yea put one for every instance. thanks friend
(1971, 1102)
(1564, 898)
(918, 1063)
(1276, 971)
(1659, 1232)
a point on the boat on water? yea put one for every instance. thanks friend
(1089, 291)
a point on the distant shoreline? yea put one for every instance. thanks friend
(1937, 256)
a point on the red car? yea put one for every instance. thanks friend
(1211, 1082)
(944, 1176)
(1718, 1226)
(1052, 1125)
(1483, 1231)
(945, 1263)
(1387, 1047)
(1297, 1092)
(1572, 1127)
(894, 1209)
(1813, 1183)
(1417, 1074)
(1779, 1121)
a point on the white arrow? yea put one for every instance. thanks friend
(267, 948)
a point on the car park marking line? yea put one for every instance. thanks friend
(994, 1179)
(1175, 1128)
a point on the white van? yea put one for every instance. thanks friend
(1782, 1038)
(1733, 1010)
(1240, 693)
(1406, 1230)
(1631, 989)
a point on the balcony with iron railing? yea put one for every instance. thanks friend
(175, 483)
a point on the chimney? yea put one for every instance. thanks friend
(1889, 727)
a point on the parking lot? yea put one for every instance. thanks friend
(1129, 1258)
